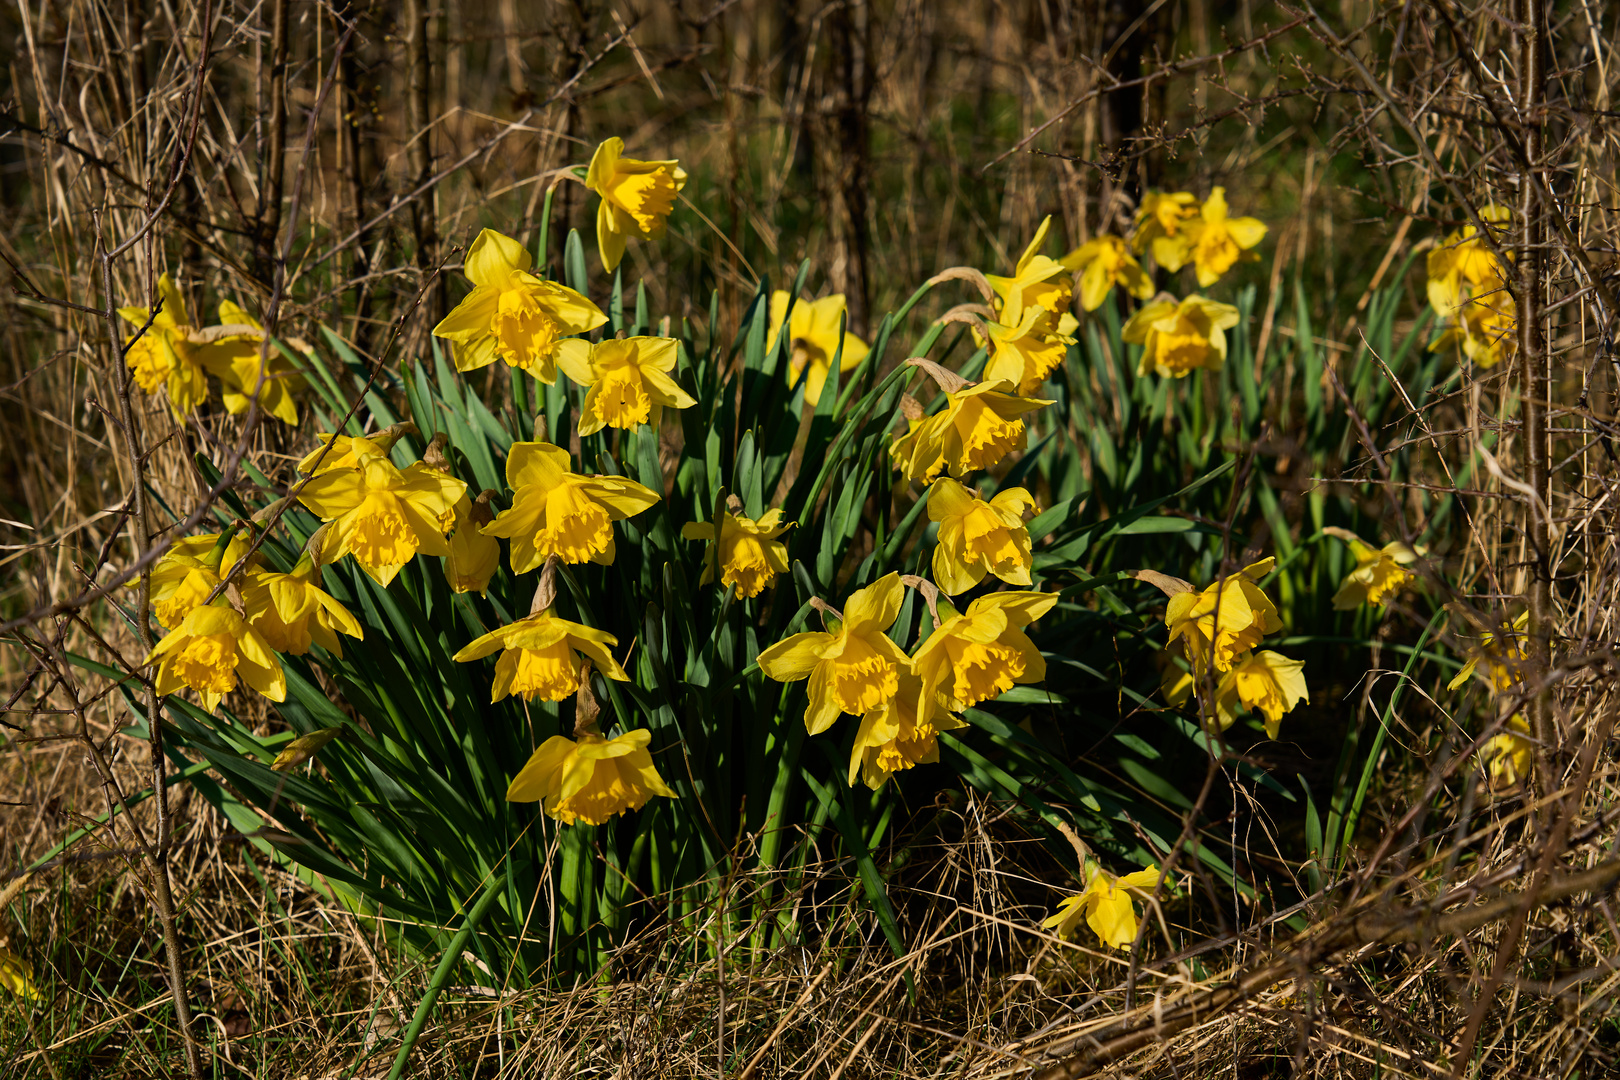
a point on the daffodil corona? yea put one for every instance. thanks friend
(637, 197)
(629, 380)
(1225, 620)
(540, 657)
(1178, 338)
(854, 668)
(750, 555)
(1105, 905)
(1266, 681)
(982, 424)
(556, 511)
(977, 537)
(511, 314)
(592, 779)
(815, 335)
(896, 736)
(983, 652)
(209, 651)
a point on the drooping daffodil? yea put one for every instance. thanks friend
(1161, 224)
(540, 657)
(163, 357)
(1025, 354)
(1507, 753)
(637, 197)
(1179, 337)
(978, 537)
(232, 352)
(474, 555)
(1101, 264)
(1378, 574)
(1225, 620)
(1464, 264)
(210, 650)
(1219, 241)
(983, 652)
(591, 779)
(292, 612)
(629, 380)
(750, 555)
(897, 736)
(1266, 681)
(1502, 660)
(981, 424)
(1037, 281)
(556, 511)
(1105, 905)
(815, 335)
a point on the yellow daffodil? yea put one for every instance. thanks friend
(1026, 354)
(1105, 905)
(556, 511)
(980, 426)
(1244, 614)
(343, 454)
(1177, 338)
(209, 650)
(590, 780)
(1103, 263)
(1465, 265)
(17, 975)
(1162, 224)
(230, 352)
(750, 554)
(637, 197)
(853, 669)
(384, 516)
(474, 555)
(541, 657)
(292, 612)
(1507, 753)
(512, 315)
(977, 537)
(163, 357)
(1379, 572)
(629, 380)
(893, 739)
(1502, 660)
(983, 652)
(1038, 281)
(1485, 330)
(1267, 681)
(1219, 241)
(184, 575)
(815, 331)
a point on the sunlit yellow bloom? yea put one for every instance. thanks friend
(750, 554)
(380, 514)
(629, 380)
(207, 652)
(556, 511)
(1267, 681)
(1105, 905)
(1162, 223)
(184, 575)
(815, 331)
(163, 358)
(1245, 616)
(1379, 572)
(977, 537)
(292, 612)
(1177, 338)
(1485, 330)
(853, 669)
(1103, 263)
(1502, 660)
(893, 739)
(1026, 354)
(980, 426)
(590, 780)
(1464, 265)
(1507, 753)
(474, 555)
(512, 315)
(1038, 281)
(1219, 241)
(343, 454)
(17, 975)
(231, 353)
(540, 658)
(983, 652)
(637, 197)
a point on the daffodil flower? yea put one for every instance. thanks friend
(977, 537)
(1038, 281)
(590, 780)
(1177, 338)
(540, 657)
(231, 353)
(1103, 263)
(1502, 660)
(1026, 354)
(1507, 753)
(750, 554)
(853, 669)
(556, 511)
(1161, 224)
(292, 612)
(1379, 573)
(184, 575)
(163, 358)
(474, 555)
(1225, 620)
(1266, 681)
(893, 738)
(383, 515)
(346, 448)
(1219, 241)
(629, 380)
(815, 332)
(980, 426)
(637, 197)
(1464, 265)
(1485, 330)
(983, 652)
(17, 975)
(512, 315)
(1105, 905)
(211, 648)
